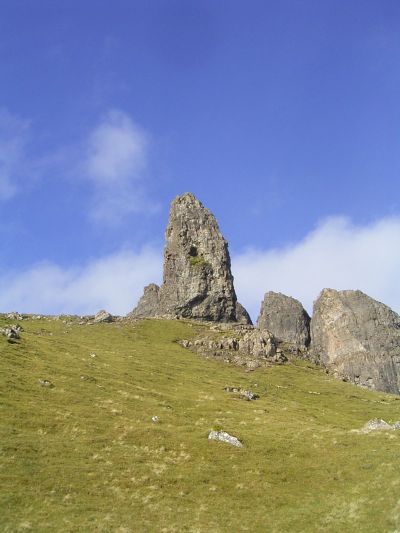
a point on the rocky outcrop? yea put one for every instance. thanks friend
(242, 316)
(103, 316)
(241, 345)
(149, 303)
(286, 319)
(197, 280)
(357, 338)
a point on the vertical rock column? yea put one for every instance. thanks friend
(197, 280)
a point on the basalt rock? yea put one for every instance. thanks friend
(197, 280)
(242, 316)
(357, 338)
(149, 303)
(286, 319)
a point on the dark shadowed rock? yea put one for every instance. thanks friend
(286, 319)
(197, 280)
(149, 303)
(357, 338)
(242, 316)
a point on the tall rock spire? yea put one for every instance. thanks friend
(197, 281)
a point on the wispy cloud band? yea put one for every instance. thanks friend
(337, 254)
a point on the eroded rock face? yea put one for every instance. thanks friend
(149, 303)
(197, 281)
(242, 316)
(286, 319)
(357, 338)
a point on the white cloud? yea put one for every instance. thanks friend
(113, 282)
(115, 163)
(13, 140)
(337, 254)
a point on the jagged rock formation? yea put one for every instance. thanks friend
(197, 281)
(357, 338)
(242, 316)
(148, 305)
(286, 319)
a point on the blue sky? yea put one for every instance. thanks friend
(282, 117)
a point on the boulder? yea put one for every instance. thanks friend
(197, 278)
(223, 436)
(357, 338)
(103, 316)
(377, 424)
(286, 319)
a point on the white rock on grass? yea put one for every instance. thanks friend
(223, 436)
(377, 424)
(103, 316)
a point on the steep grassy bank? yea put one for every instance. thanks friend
(86, 456)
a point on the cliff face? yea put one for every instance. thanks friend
(357, 338)
(286, 319)
(197, 281)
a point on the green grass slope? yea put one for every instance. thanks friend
(85, 455)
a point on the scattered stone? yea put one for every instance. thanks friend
(103, 316)
(155, 419)
(357, 338)
(11, 332)
(14, 315)
(223, 436)
(46, 383)
(91, 379)
(377, 424)
(197, 280)
(245, 394)
(286, 319)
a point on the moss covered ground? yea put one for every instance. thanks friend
(85, 456)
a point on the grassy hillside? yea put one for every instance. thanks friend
(84, 455)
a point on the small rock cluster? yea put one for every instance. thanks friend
(243, 393)
(248, 347)
(377, 424)
(11, 332)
